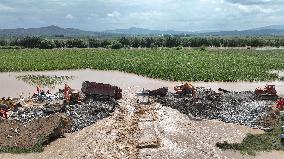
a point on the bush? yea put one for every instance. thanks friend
(95, 43)
(116, 45)
(59, 43)
(3, 42)
(47, 44)
(29, 42)
(78, 43)
(105, 43)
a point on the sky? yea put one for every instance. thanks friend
(181, 15)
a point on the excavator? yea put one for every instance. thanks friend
(185, 89)
(269, 92)
(8, 102)
(71, 96)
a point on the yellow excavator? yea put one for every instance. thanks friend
(8, 102)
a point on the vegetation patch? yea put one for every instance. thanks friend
(44, 80)
(260, 142)
(38, 147)
(164, 63)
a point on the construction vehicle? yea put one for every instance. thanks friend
(145, 94)
(280, 104)
(8, 102)
(71, 96)
(93, 89)
(185, 89)
(269, 92)
(3, 111)
(159, 92)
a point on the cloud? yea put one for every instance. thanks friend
(5, 8)
(256, 2)
(98, 15)
(114, 14)
(256, 9)
(69, 16)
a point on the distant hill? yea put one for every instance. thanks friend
(49, 31)
(270, 27)
(268, 30)
(70, 32)
(142, 31)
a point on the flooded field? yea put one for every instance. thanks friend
(12, 86)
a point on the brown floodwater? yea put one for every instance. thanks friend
(11, 86)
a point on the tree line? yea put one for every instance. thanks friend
(145, 42)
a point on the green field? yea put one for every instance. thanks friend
(169, 64)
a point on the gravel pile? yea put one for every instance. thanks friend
(88, 113)
(26, 115)
(232, 107)
(80, 115)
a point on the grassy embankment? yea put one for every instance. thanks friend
(260, 142)
(169, 64)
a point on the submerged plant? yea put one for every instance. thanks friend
(44, 80)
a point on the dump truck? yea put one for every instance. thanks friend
(269, 92)
(185, 89)
(93, 89)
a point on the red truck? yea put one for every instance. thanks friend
(100, 89)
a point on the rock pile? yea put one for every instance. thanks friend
(88, 113)
(231, 107)
(80, 115)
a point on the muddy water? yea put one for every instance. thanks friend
(10, 86)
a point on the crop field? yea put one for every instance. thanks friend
(169, 64)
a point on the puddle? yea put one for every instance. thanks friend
(11, 86)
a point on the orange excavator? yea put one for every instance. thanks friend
(185, 89)
(71, 95)
(269, 92)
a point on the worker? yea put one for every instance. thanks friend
(37, 89)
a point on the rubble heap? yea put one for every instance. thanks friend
(90, 112)
(81, 115)
(231, 107)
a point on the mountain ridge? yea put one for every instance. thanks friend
(54, 30)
